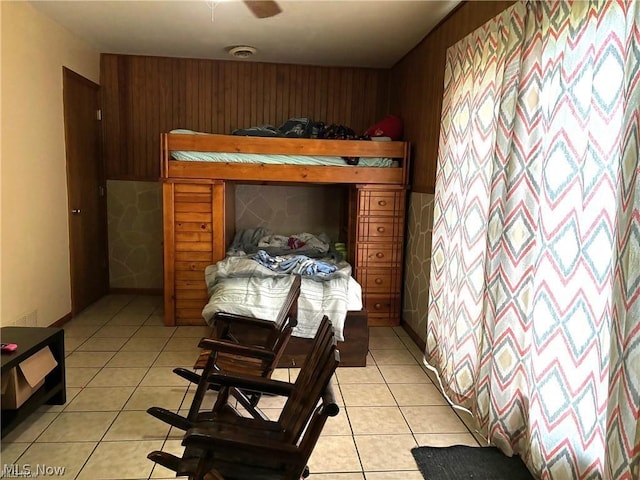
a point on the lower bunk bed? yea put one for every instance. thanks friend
(255, 283)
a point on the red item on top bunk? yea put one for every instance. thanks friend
(390, 126)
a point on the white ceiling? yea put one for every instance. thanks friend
(358, 33)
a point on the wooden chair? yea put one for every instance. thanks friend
(231, 447)
(259, 356)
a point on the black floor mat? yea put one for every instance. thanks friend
(460, 462)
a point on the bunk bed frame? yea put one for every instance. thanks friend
(199, 217)
(243, 172)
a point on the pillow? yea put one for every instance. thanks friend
(390, 126)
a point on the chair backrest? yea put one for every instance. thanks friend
(289, 309)
(328, 408)
(313, 379)
(288, 314)
(285, 322)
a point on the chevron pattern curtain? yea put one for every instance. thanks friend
(534, 306)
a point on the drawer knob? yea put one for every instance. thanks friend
(382, 203)
(377, 306)
(378, 281)
(379, 254)
(380, 229)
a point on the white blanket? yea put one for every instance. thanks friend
(242, 286)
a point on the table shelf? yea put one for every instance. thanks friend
(31, 340)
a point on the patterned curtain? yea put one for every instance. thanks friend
(534, 308)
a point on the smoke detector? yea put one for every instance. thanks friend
(241, 51)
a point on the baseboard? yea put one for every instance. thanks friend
(414, 336)
(136, 291)
(59, 323)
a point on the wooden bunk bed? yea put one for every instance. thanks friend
(199, 222)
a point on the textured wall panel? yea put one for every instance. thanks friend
(418, 263)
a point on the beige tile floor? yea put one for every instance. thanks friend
(119, 362)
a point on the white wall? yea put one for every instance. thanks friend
(35, 273)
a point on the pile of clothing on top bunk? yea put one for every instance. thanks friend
(301, 128)
(292, 128)
(390, 128)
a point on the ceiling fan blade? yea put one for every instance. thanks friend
(263, 8)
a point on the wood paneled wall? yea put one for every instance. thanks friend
(418, 84)
(145, 96)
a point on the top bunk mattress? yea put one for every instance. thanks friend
(273, 159)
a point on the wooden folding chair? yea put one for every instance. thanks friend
(231, 447)
(266, 341)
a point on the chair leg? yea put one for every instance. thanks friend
(306, 472)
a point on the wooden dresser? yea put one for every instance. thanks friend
(376, 249)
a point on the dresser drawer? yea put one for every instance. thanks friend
(382, 304)
(379, 280)
(381, 202)
(383, 310)
(384, 229)
(379, 254)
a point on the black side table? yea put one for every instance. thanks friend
(30, 340)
